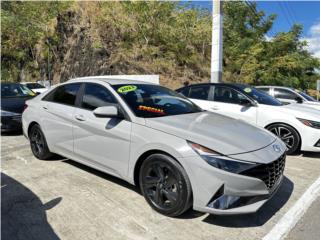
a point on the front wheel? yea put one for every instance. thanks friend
(287, 134)
(165, 185)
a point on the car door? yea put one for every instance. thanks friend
(57, 109)
(101, 142)
(285, 95)
(229, 102)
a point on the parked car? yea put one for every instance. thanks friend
(179, 155)
(289, 95)
(13, 97)
(296, 125)
(36, 87)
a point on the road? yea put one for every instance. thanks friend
(61, 199)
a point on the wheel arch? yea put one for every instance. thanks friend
(30, 126)
(144, 156)
(270, 124)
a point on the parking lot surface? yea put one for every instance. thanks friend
(61, 199)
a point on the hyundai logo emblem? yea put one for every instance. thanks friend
(276, 148)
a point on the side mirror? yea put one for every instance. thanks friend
(299, 100)
(246, 102)
(108, 112)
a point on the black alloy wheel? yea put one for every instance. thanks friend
(38, 143)
(165, 185)
(287, 134)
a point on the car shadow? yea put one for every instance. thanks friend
(23, 215)
(12, 133)
(105, 176)
(311, 154)
(259, 218)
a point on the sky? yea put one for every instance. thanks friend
(306, 13)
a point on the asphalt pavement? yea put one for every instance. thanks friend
(62, 199)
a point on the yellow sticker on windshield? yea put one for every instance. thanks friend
(248, 90)
(128, 88)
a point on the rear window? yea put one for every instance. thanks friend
(65, 94)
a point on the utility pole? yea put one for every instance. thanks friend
(216, 47)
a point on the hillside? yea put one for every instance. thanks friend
(76, 39)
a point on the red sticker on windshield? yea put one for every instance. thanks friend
(151, 109)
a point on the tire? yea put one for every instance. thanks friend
(38, 143)
(165, 185)
(288, 135)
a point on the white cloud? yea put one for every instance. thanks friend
(313, 39)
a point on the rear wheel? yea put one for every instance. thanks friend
(165, 185)
(287, 134)
(38, 143)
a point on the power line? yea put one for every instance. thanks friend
(287, 17)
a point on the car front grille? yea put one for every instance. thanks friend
(269, 173)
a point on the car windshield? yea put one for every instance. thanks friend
(149, 101)
(34, 85)
(15, 90)
(260, 96)
(306, 96)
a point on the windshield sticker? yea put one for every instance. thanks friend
(248, 90)
(128, 88)
(151, 109)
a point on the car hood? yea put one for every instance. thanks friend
(302, 111)
(14, 104)
(217, 132)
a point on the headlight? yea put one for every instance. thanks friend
(8, 114)
(220, 161)
(310, 123)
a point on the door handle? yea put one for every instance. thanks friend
(79, 117)
(45, 108)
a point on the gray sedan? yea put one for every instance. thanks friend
(177, 154)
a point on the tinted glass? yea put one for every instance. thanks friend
(15, 90)
(34, 85)
(265, 90)
(184, 91)
(284, 94)
(306, 96)
(96, 96)
(154, 101)
(260, 97)
(199, 92)
(65, 94)
(227, 95)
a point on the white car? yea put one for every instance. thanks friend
(179, 155)
(36, 87)
(290, 95)
(296, 125)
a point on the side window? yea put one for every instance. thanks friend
(199, 92)
(284, 94)
(227, 95)
(265, 90)
(95, 96)
(65, 94)
(184, 91)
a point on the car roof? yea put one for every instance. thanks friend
(263, 86)
(234, 85)
(110, 81)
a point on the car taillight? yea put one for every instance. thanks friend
(25, 107)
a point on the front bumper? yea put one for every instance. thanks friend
(222, 193)
(11, 123)
(309, 139)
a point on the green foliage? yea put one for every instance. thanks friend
(160, 37)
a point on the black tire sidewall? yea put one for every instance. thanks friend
(184, 201)
(45, 154)
(295, 134)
